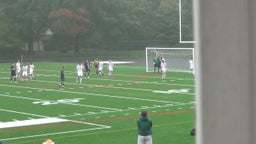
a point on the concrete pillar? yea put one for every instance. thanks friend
(225, 34)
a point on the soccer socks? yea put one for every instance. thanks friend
(79, 80)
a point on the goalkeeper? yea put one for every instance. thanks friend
(157, 64)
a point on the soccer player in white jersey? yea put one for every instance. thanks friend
(163, 69)
(191, 65)
(100, 68)
(18, 69)
(24, 73)
(31, 70)
(79, 71)
(110, 68)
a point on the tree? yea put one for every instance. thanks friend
(187, 20)
(27, 19)
(166, 21)
(9, 42)
(68, 23)
(91, 23)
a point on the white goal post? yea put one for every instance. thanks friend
(177, 59)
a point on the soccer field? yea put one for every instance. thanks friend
(100, 110)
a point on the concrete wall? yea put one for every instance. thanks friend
(225, 34)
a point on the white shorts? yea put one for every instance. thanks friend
(144, 139)
(25, 74)
(31, 72)
(17, 70)
(80, 73)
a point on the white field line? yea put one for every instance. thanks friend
(128, 110)
(114, 87)
(58, 133)
(118, 62)
(139, 76)
(23, 113)
(90, 94)
(30, 114)
(31, 122)
(33, 99)
(96, 113)
(99, 126)
(125, 81)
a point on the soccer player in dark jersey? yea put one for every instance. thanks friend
(87, 66)
(62, 77)
(13, 73)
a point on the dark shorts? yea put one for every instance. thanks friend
(62, 78)
(13, 73)
(157, 65)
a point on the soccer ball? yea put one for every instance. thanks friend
(21, 79)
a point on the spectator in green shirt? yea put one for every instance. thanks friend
(144, 129)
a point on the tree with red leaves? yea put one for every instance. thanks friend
(71, 23)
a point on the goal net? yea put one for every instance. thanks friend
(177, 59)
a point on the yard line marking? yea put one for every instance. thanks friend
(112, 118)
(146, 82)
(23, 113)
(156, 77)
(81, 105)
(58, 133)
(94, 85)
(123, 130)
(31, 122)
(20, 97)
(173, 91)
(92, 94)
(111, 131)
(45, 70)
(127, 81)
(65, 132)
(117, 110)
(131, 109)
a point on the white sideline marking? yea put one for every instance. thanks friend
(26, 98)
(118, 62)
(95, 94)
(31, 122)
(180, 91)
(58, 133)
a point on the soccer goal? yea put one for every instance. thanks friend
(177, 59)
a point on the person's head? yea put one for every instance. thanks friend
(144, 113)
(48, 141)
